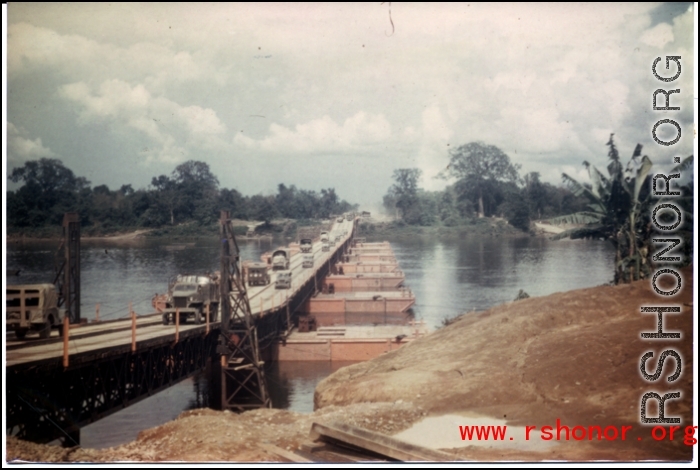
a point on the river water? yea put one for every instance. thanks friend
(448, 276)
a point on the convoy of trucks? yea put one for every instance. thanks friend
(35, 307)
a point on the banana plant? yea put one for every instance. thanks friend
(616, 202)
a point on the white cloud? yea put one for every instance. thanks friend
(658, 36)
(21, 148)
(323, 135)
(545, 83)
(170, 127)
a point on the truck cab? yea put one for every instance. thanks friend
(306, 245)
(283, 280)
(324, 236)
(280, 259)
(258, 274)
(307, 261)
(190, 296)
(32, 307)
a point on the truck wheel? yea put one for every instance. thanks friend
(45, 331)
(166, 320)
(20, 333)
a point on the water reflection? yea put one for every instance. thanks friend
(453, 276)
(447, 276)
(292, 383)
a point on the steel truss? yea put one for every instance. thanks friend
(48, 402)
(67, 269)
(243, 385)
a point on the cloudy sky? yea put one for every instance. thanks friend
(334, 95)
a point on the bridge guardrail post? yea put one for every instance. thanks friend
(133, 328)
(66, 332)
(177, 325)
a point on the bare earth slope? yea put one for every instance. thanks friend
(573, 356)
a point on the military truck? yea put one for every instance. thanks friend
(190, 295)
(350, 215)
(307, 261)
(325, 246)
(33, 307)
(306, 245)
(283, 280)
(280, 259)
(324, 236)
(258, 274)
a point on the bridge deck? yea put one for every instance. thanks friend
(115, 336)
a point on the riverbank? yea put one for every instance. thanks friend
(285, 227)
(488, 226)
(572, 356)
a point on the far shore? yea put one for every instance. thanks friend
(490, 227)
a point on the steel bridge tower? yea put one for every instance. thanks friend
(243, 385)
(67, 278)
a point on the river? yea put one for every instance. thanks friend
(448, 276)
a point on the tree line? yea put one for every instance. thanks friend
(190, 194)
(485, 183)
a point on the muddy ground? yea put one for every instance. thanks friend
(570, 356)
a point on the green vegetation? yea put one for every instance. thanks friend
(619, 208)
(486, 185)
(185, 203)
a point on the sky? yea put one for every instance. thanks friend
(339, 95)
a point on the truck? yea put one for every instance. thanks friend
(283, 280)
(33, 307)
(324, 236)
(350, 215)
(190, 295)
(306, 245)
(280, 259)
(258, 274)
(325, 246)
(307, 261)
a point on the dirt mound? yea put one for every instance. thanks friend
(206, 435)
(572, 356)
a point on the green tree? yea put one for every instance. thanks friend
(478, 167)
(191, 192)
(166, 197)
(329, 203)
(49, 190)
(197, 189)
(403, 194)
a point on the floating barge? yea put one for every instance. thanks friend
(362, 311)
(361, 282)
(347, 343)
